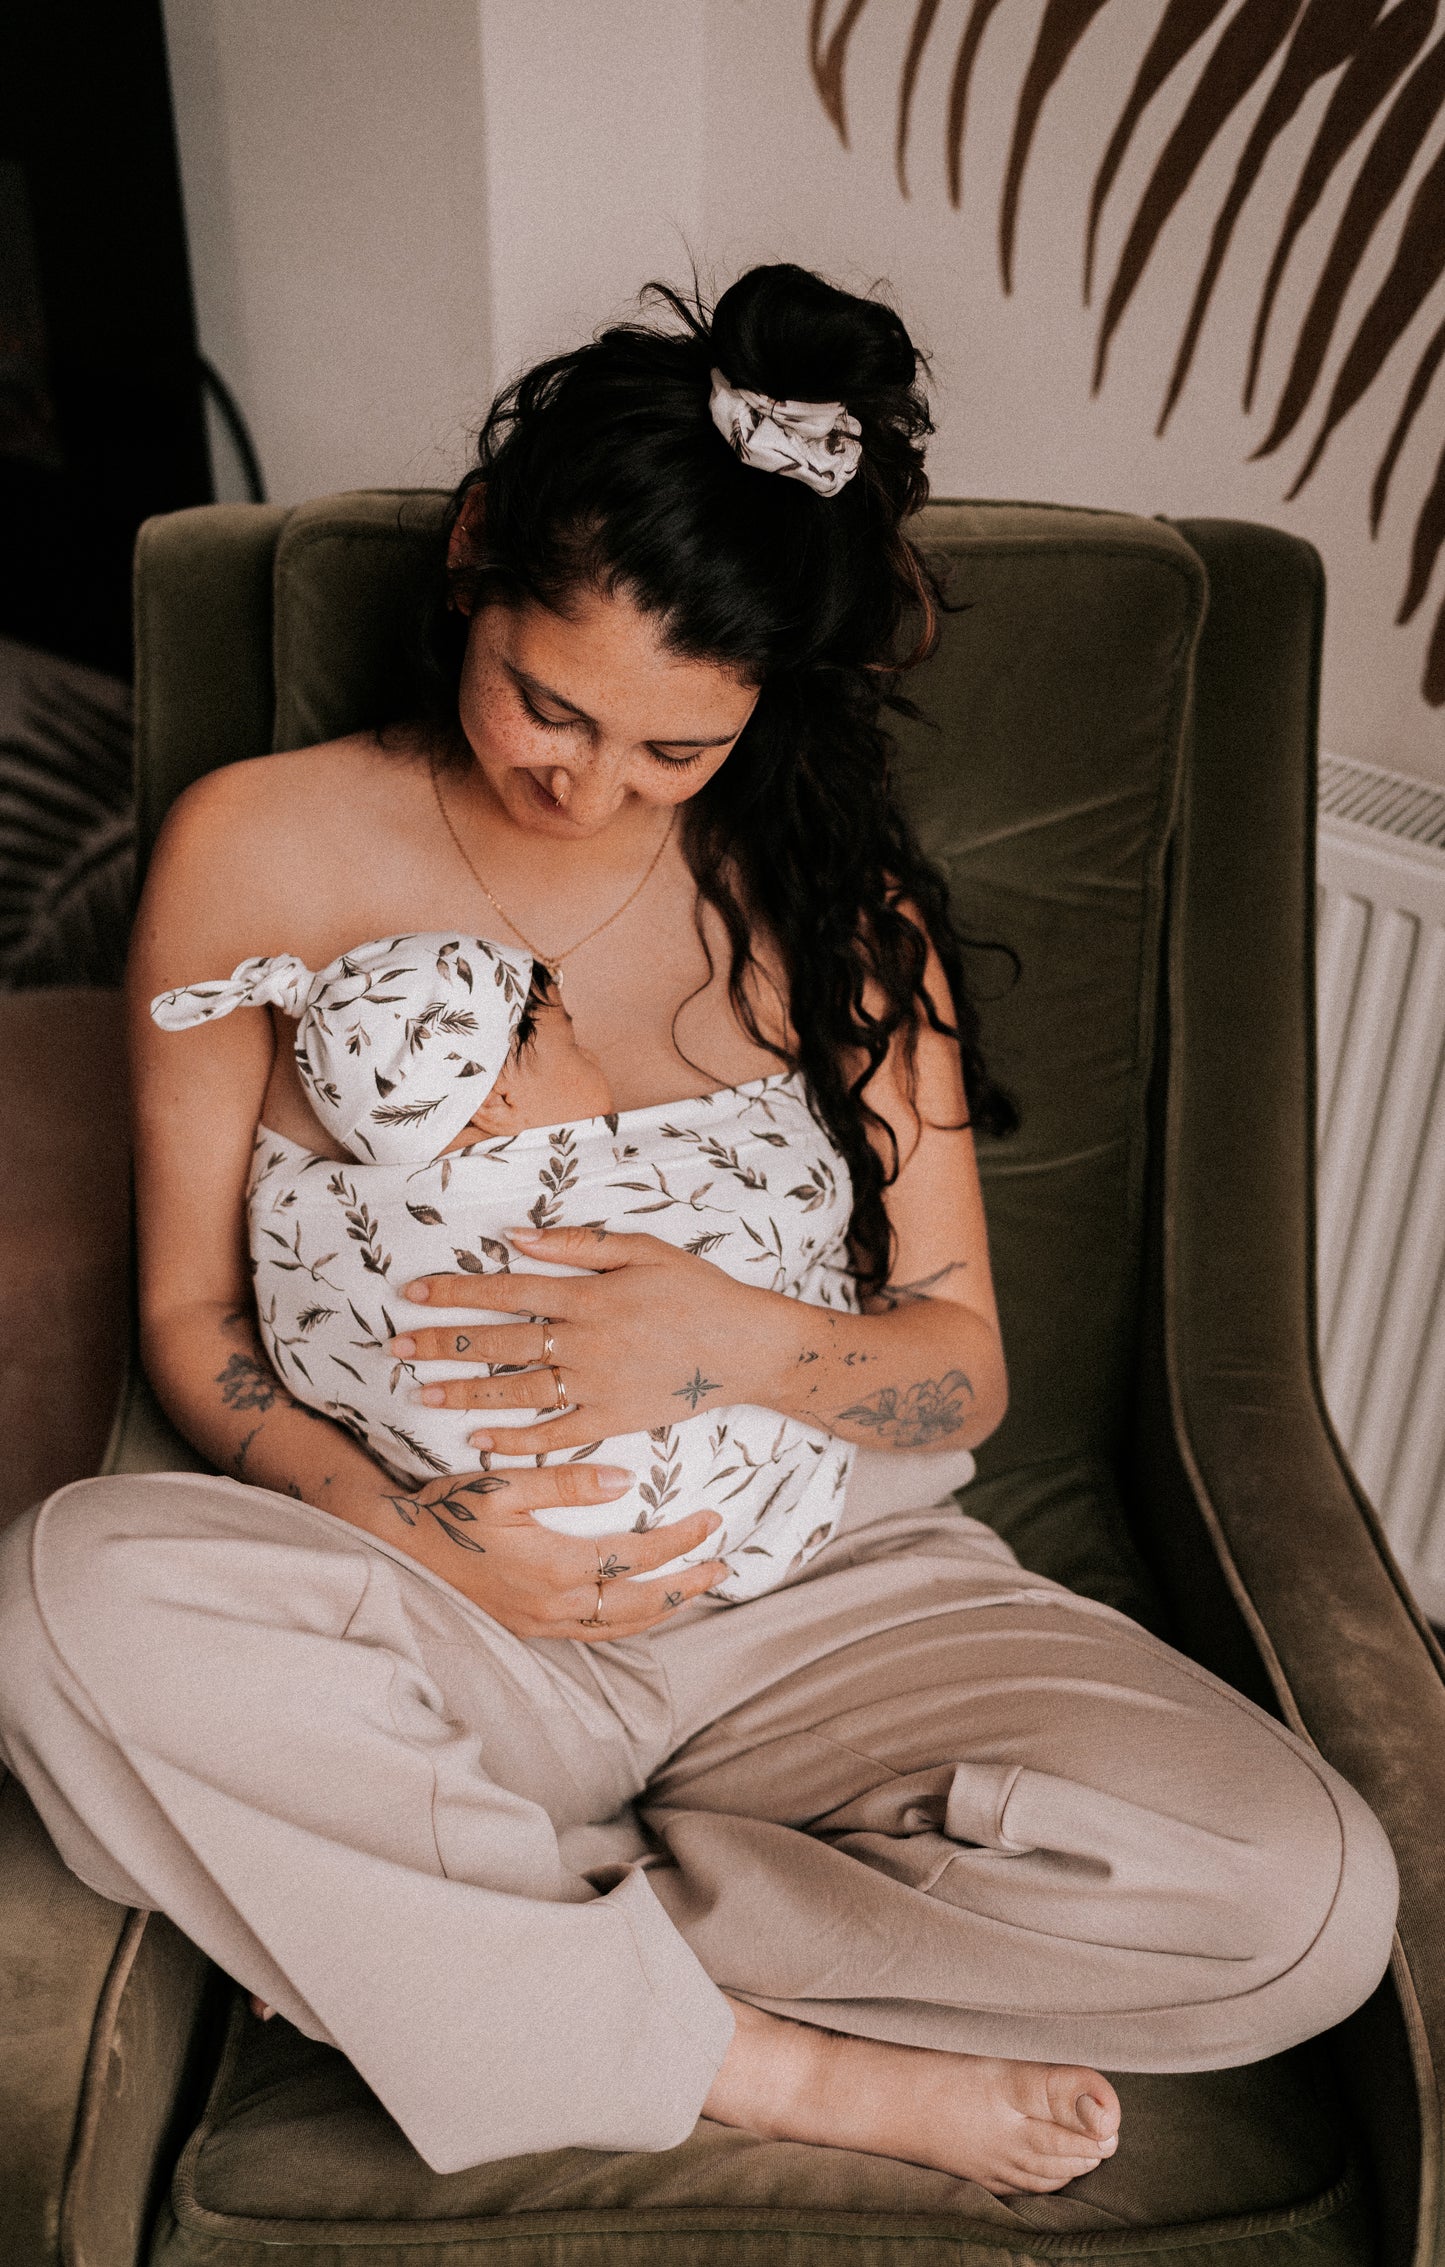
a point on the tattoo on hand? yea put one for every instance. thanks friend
(246, 1383)
(672, 1597)
(914, 1294)
(810, 1356)
(444, 1509)
(696, 1389)
(609, 1568)
(923, 1413)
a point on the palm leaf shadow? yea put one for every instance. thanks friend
(1325, 36)
(1379, 180)
(1378, 63)
(1374, 48)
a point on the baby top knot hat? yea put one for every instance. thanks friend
(397, 1041)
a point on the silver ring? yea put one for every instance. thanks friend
(558, 1387)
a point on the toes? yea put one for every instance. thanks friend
(1080, 2101)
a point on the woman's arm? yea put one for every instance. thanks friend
(654, 1333)
(217, 892)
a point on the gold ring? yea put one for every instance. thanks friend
(549, 1345)
(594, 1621)
(558, 1387)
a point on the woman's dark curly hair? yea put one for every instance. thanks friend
(603, 471)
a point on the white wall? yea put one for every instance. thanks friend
(334, 184)
(395, 204)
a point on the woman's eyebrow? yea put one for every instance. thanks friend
(539, 691)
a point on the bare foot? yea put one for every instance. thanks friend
(1006, 2125)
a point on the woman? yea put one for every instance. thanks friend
(888, 1857)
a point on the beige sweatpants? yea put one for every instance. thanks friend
(915, 1794)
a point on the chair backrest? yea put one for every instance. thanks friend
(1045, 781)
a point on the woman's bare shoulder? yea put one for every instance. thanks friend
(269, 819)
(251, 855)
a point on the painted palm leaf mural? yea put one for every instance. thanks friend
(1378, 145)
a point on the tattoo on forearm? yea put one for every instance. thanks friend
(238, 1460)
(247, 1383)
(810, 1356)
(914, 1294)
(922, 1413)
(450, 1507)
(696, 1389)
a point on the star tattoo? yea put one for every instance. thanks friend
(696, 1389)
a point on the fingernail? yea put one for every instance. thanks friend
(524, 1235)
(401, 1346)
(716, 1519)
(613, 1479)
(480, 1440)
(431, 1397)
(419, 1293)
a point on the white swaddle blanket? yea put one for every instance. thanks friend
(396, 1042)
(745, 1178)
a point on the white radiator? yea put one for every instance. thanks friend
(1381, 1136)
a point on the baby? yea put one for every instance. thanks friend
(448, 1069)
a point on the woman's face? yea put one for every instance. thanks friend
(576, 719)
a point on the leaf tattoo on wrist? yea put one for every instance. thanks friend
(444, 1509)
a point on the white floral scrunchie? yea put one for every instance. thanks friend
(816, 442)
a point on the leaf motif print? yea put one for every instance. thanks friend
(297, 1263)
(309, 1317)
(405, 1113)
(556, 1177)
(427, 1214)
(819, 1188)
(418, 1449)
(721, 1155)
(707, 1242)
(488, 1249)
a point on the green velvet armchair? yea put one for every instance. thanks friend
(1115, 767)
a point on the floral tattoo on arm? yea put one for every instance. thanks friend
(917, 1416)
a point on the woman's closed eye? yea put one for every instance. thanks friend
(548, 723)
(676, 763)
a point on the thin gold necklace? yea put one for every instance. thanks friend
(551, 961)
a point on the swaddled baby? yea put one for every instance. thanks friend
(448, 1069)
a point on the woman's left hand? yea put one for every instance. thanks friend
(647, 1336)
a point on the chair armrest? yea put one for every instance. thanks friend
(64, 1236)
(1348, 1657)
(106, 2017)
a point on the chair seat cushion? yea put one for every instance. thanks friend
(294, 2151)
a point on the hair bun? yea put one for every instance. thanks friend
(784, 331)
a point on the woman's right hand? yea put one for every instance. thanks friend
(477, 1531)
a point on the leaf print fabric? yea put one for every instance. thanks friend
(397, 1041)
(745, 1179)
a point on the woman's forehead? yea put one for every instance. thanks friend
(609, 661)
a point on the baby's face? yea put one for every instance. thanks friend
(544, 1084)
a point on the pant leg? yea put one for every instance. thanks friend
(347, 1786)
(930, 1798)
